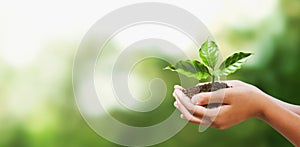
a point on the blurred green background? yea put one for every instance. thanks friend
(37, 105)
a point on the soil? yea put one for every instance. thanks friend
(209, 87)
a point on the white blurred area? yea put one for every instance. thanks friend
(27, 25)
(37, 36)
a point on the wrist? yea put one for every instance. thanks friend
(265, 106)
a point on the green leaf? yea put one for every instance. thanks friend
(233, 63)
(209, 53)
(190, 68)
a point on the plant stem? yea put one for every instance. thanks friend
(213, 78)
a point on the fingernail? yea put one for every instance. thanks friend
(175, 104)
(181, 116)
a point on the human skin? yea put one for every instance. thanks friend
(239, 103)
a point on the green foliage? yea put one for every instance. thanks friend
(190, 68)
(209, 54)
(233, 63)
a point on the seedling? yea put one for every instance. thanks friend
(209, 54)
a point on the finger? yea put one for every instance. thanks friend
(174, 95)
(211, 97)
(197, 111)
(183, 99)
(213, 112)
(195, 121)
(186, 102)
(178, 87)
(234, 83)
(187, 115)
(176, 104)
(204, 122)
(206, 119)
(200, 97)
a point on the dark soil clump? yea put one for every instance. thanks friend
(209, 87)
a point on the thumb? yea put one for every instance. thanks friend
(200, 98)
(210, 97)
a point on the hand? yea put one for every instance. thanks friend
(239, 103)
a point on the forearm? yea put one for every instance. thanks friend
(283, 120)
(291, 107)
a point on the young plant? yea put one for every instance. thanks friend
(209, 54)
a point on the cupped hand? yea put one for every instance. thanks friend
(239, 103)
